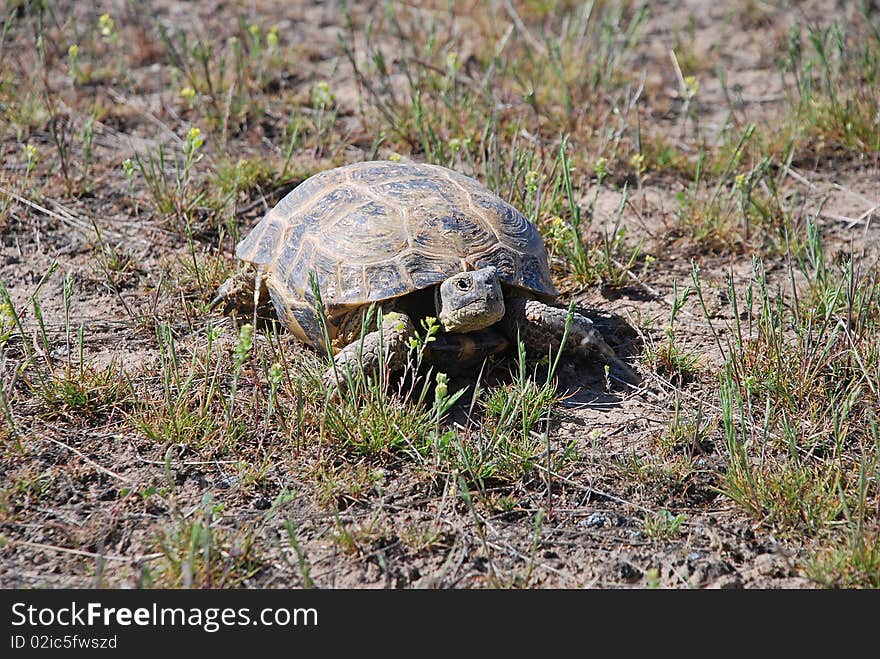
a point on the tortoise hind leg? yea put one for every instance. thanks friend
(541, 328)
(392, 343)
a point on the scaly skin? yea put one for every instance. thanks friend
(541, 328)
(397, 328)
(237, 292)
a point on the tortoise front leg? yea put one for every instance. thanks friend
(392, 343)
(541, 328)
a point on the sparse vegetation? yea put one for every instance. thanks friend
(708, 185)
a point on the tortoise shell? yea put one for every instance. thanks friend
(373, 231)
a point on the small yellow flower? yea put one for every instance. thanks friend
(457, 144)
(394, 157)
(106, 25)
(638, 162)
(691, 86)
(739, 181)
(254, 29)
(275, 373)
(322, 96)
(195, 138)
(7, 321)
(272, 38)
(532, 178)
(601, 167)
(31, 156)
(441, 391)
(245, 342)
(188, 93)
(73, 52)
(557, 231)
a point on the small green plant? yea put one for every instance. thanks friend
(688, 433)
(190, 408)
(831, 81)
(197, 553)
(515, 435)
(88, 136)
(302, 563)
(850, 562)
(662, 525)
(792, 401)
(241, 354)
(174, 196)
(610, 262)
(31, 158)
(324, 113)
(66, 392)
(228, 79)
(76, 74)
(669, 359)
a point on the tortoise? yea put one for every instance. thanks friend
(417, 240)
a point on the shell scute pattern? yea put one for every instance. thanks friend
(426, 269)
(260, 244)
(413, 189)
(377, 172)
(324, 264)
(504, 260)
(325, 208)
(352, 284)
(448, 230)
(288, 258)
(367, 232)
(534, 273)
(386, 280)
(307, 326)
(297, 280)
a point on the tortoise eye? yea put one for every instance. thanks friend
(463, 284)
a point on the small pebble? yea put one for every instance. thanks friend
(594, 521)
(227, 482)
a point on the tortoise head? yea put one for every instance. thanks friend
(470, 301)
(237, 292)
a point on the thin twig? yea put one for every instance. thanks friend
(89, 460)
(523, 30)
(87, 554)
(71, 221)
